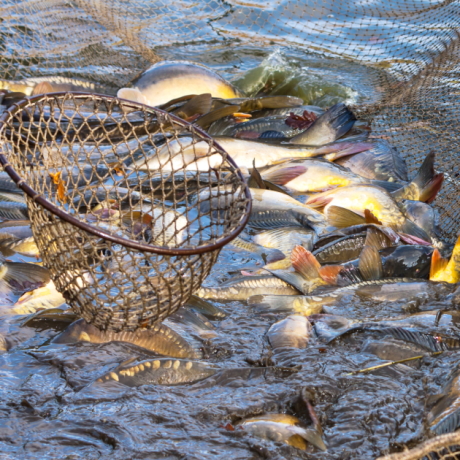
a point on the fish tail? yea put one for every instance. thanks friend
(338, 150)
(333, 124)
(426, 184)
(414, 230)
(27, 276)
(446, 270)
(305, 263)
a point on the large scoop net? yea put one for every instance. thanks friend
(410, 49)
(129, 205)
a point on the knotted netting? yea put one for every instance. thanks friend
(410, 50)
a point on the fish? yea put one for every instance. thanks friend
(341, 250)
(162, 371)
(332, 125)
(425, 217)
(268, 128)
(381, 162)
(446, 270)
(430, 342)
(282, 428)
(444, 416)
(50, 84)
(22, 276)
(359, 198)
(186, 153)
(51, 315)
(39, 299)
(14, 210)
(167, 80)
(393, 350)
(269, 200)
(18, 239)
(286, 111)
(286, 238)
(205, 308)
(269, 255)
(317, 175)
(160, 339)
(242, 288)
(383, 290)
(293, 331)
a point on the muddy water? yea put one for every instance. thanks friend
(52, 409)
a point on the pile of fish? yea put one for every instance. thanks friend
(335, 218)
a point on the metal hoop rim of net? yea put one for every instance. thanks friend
(42, 201)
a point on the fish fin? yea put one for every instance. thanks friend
(426, 184)
(414, 230)
(338, 150)
(335, 122)
(305, 263)
(207, 119)
(295, 279)
(281, 176)
(28, 276)
(200, 104)
(256, 181)
(377, 239)
(370, 264)
(410, 239)
(329, 273)
(388, 186)
(370, 218)
(320, 200)
(438, 264)
(342, 218)
(132, 94)
(43, 88)
(314, 438)
(297, 441)
(251, 104)
(276, 188)
(349, 275)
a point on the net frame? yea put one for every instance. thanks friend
(180, 270)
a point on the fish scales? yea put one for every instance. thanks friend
(341, 250)
(161, 372)
(160, 339)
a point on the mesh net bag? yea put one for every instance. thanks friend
(445, 447)
(127, 238)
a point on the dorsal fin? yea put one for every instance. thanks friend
(370, 264)
(377, 239)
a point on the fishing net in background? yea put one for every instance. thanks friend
(445, 447)
(410, 50)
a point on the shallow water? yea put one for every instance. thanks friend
(50, 407)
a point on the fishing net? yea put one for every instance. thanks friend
(445, 447)
(127, 241)
(410, 50)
